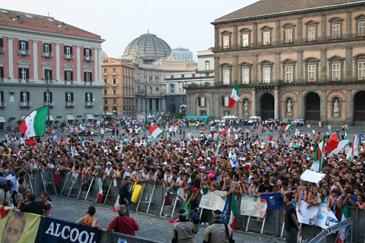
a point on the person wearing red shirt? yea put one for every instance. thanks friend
(123, 224)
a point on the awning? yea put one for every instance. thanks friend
(50, 118)
(23, 117)
(2, 119)
(89, 117)
(70, 117)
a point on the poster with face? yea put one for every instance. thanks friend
(18, 227)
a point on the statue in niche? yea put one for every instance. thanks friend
(289, 108)
(246, 108)
(336, 108)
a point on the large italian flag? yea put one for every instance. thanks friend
(335, 144)
(235, 96)
(288, 127)
(318, 158)
(234, 213)
(34, 123)
(345, 215)
(354, 150)
(155, 131)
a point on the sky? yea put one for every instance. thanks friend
(180, 23)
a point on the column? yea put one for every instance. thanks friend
(323, 107)
(235, 69)
(255, 68)
(278, 32)
(253, 112)
(99, 66)
(96, 65)
(276, 104)
(58, 63)
(216, 70)
(254, 35)
(235, 34)
(35, 59)
(78, 65)
(349, 63)
(349, 115)
(277, 66)
(300, 105)
(300, 76)
(11, 64)
(323, 68)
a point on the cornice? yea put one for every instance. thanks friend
(30, 31)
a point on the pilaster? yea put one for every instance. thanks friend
(300, 76)
(349, 63)
(11, 64)
(35, 59)
(58, 62)
(253, 91)
(277, 66)
(254, 35)
(323, 27)
(78, 65)
(323, 71)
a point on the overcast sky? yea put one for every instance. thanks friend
(180, 23)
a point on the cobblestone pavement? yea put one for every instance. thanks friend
(150, 227)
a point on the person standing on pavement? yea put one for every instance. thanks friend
(290, 220)
(218, 232)
(123, 223)
(184, 230)
(125, 195)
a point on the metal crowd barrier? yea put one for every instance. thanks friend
(153, 196)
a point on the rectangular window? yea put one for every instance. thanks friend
(202, 101)
(226, 76)
(288, 35)
(289, 74)
(311, 73)
(105, 92)
(226, 41)
(336, 73)
(150, 79)
(266, 74)
(23, 45)
(114, 81)
(266, 38)
(47, 74)
(68, 76)
(361, 70)
(336, 31)
(46, 47)
(207, 65)
(157, 79)
(311, 33)
(245, 40)
(105, 81)
(245, 76)
(361, 28)
(87, 52)
(23, 73)
(114, 92)
(68, 50)
(203, 113)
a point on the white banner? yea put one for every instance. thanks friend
(324, 217)
(307, 215)
(74, 176)
(213, 201)
(253, 206)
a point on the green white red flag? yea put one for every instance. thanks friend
(101, 187)
(234, 212)
(155, 131)
(34, 123)
(318, 158)
(287, 127)
(345, 215)
(216, 152)
(235, 96)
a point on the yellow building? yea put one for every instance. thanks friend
(118, 94)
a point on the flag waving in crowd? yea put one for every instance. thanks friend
(235, 96)
(155, 131)
(34, 124)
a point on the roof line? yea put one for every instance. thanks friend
(290, 11)
(32, 14)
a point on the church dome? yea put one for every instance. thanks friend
(147, 47)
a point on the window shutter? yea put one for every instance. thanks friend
(72, 76)
(26, 45)
(21, 96)
(84, 76)
(222, 101)
(50, 75)
(20, 45)
(86, 97)
(64, 50)
(1, 42)
(71, 49)
(91, 97)
(72, 96)
(28, 96)
(50, 47)
(84, 51)
(91, 77)
(90, 52)
(2, 72)
(44, 47)
(20, 72)
(199, 103)
(45, 96)
(50, 96)
(66, 97)
(65, 75)
(27, 73)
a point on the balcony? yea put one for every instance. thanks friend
(2, 50)
(69, 82)
(50, 103)
(88, 83)
(2, 104)
(70, 103)
(68, 56)
(105, 73)
(89, 104)
(25, 104)
(22, 52)
(47, 54)
(88, 58)
(24, 81)
(114, 73)
(115, 85)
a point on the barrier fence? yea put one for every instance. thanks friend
(153, 198)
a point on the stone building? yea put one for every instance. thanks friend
(292, 59)
(118, 93)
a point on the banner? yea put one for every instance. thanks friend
(325, 218)
(253, 206)
(213, 201)
(307, 215)
(19, 227)
(74, 176)
(55, 230)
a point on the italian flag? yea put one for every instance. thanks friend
(234, 213)
(235, 96)
(354, 150)
(116, 205)
(101, 187)
(34, 123)
(335, 144)
(318, 158)
(186, 208)
(288, 127)
(345, 215)
(4, 211)
(216, 152)
(81, 127)
(155, 131)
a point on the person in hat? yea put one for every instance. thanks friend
(213, 233)
(184, 230)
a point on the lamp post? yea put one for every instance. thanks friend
(48, 99)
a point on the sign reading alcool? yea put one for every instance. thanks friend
(55, 230)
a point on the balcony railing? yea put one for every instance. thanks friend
(2, 104)
(88, 83)
(88, 58)
(47, 54)
(105, 73)
(70, 103)
(50, 103)
(115, 85)
(24, 81)
(25, 104)
(69, 82)
(68, 56)
(114, 73)
(2, 50)
(89, 103)
(22, 52)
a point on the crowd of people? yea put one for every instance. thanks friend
(125, 150)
